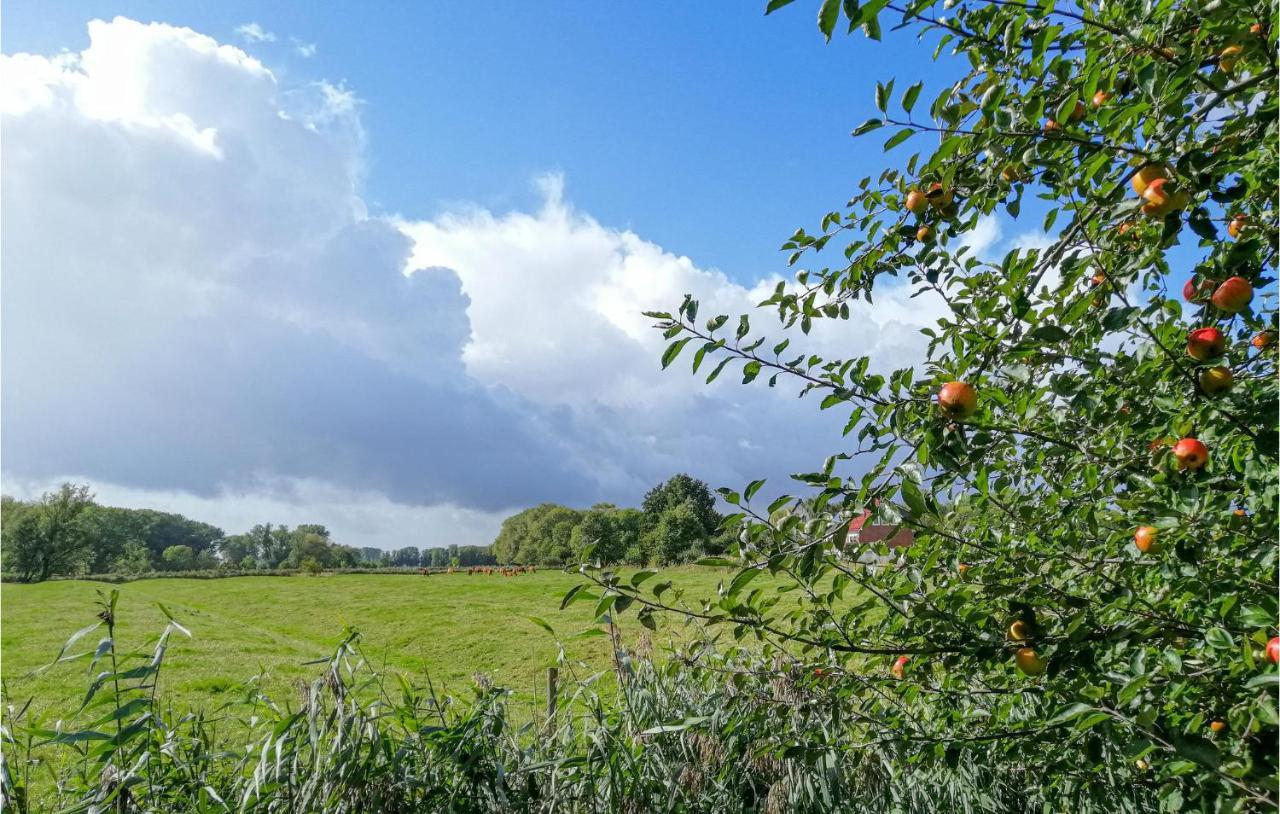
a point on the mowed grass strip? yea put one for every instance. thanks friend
(449, 627)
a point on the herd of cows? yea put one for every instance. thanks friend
(485, 570)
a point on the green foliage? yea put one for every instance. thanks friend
(678, 523)
(311, 565)
(133, 559)
(1077, 352)
(542, 535)
(691, 494)
(49, 536)
(178, 558)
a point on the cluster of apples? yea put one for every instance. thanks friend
(1026, 658)
(938, 198)
(1161, 194)
(1053, 127)
(1206, 344)
(1228, 56)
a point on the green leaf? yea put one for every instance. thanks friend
(774, 5)
(1073, 711)
(909, 98)
(645, 617)
(1049, 333)
(741, 580)
(882, 96)
(914, 498)
(716, 562)
(576, 593)
(868, 126)
(1219, 639)
(899, 137)
(680, 727)
(828, 14)
(604, 605)
(673, 350)
(1199, 749)
(542, 624)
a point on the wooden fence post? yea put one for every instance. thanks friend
(552, 674)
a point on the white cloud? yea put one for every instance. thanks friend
(252, 32)
(306, 50)
(556, 302)
(200, 314)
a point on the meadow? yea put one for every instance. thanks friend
(265, 630)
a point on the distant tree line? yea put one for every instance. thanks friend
(676, 522)
(67, 533)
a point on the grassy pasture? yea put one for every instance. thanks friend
(449, 627)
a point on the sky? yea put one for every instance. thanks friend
(383, 269)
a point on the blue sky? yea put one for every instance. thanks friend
(706, 127)
(383, 270)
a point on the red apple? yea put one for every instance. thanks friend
(1217, 726)
(917, 202)
(1205, 343)
(1233, 295)
(1155, 193)
(1273, 650)
(1263, 339)
(1100, 98)
(899, 668)
(1161, 198)
(1147, 539)
(958, 399)
(1197, 288)
(925, 234)
(1191, 454)
(1215, 380)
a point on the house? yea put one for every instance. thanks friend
(861, 532)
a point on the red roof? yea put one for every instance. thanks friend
(856, 523)
(863, 533)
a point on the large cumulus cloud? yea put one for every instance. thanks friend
(198, 307)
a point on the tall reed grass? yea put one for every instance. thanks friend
(694, 730)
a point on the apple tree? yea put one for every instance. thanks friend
(1087, 455)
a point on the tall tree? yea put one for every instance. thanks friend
(1087, 456)
(50, 536)
(680, 489)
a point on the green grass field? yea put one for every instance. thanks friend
(450, 627)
